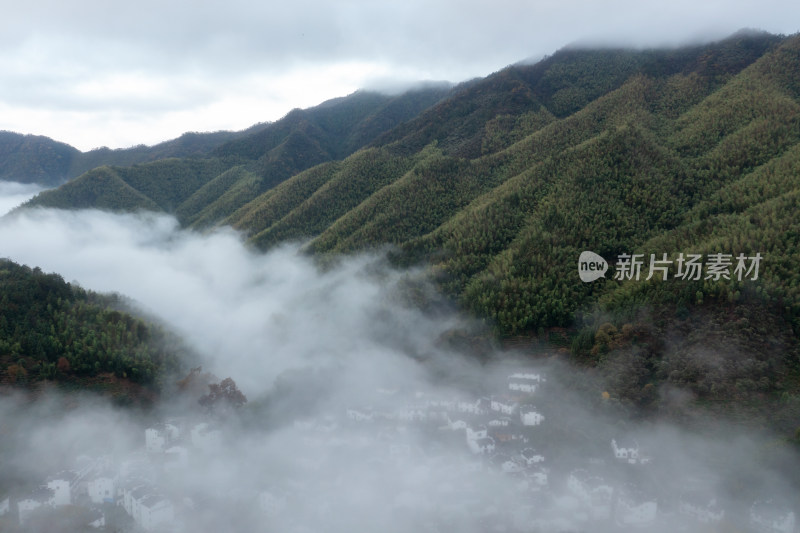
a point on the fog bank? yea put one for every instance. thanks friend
(12, 194)
(361, 414)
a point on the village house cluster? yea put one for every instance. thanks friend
(494, 440)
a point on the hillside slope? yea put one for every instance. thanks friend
(41, 160)
(226, 171)
(54, 332)
(504, 228)
(34, 159)
(500, 186)
(684, 152)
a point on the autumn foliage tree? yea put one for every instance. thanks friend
(223, 396)
(63, 365)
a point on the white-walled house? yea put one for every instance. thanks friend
(528, 388)
(502, 421)
(536, 377)
(471, 407)
(531, 456)
(529, 416)
(130, 495)
(61, 485)
(155, 511)
(480, 432)
(456, 425)
(483, 446)
(538, 477)
(26, 506)
(412, 413)
(158, 438)
(509, 433)
(527, 382)
(359, 415)
(702, 508)
(148, 508)
(154, 440)
(99, 519)
(767, 516)
(628, 453)
(35, 499)
(634, 509)
(502, 405)
(101, 489)
(506, 464)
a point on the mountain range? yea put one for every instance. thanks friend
(498, 184)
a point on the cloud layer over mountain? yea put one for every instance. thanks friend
(338, 364)
(13, 194)
(251, 315)
(93, 74)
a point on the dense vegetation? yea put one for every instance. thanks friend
(503, 185)
(269, 153)
(34, 159)
(53, 330)
(500, 186)
(38, 159)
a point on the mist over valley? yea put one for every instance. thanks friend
(362, 410)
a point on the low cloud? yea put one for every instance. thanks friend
(92, 74)
(14, 194)
(364, 414)
(250, 316)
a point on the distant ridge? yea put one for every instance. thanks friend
(42, 160)
(263, 156)
(39, 159)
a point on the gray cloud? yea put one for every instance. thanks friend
(14, 194)
(188, 56)
(244, 307)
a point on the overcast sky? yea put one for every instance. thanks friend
(108, 73)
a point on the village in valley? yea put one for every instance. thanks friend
(496, 462)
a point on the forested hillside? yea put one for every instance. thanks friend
(34, 159)
(332, 130)
(500, 186)
(41, 160)
(54, 331)
(202, 178)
